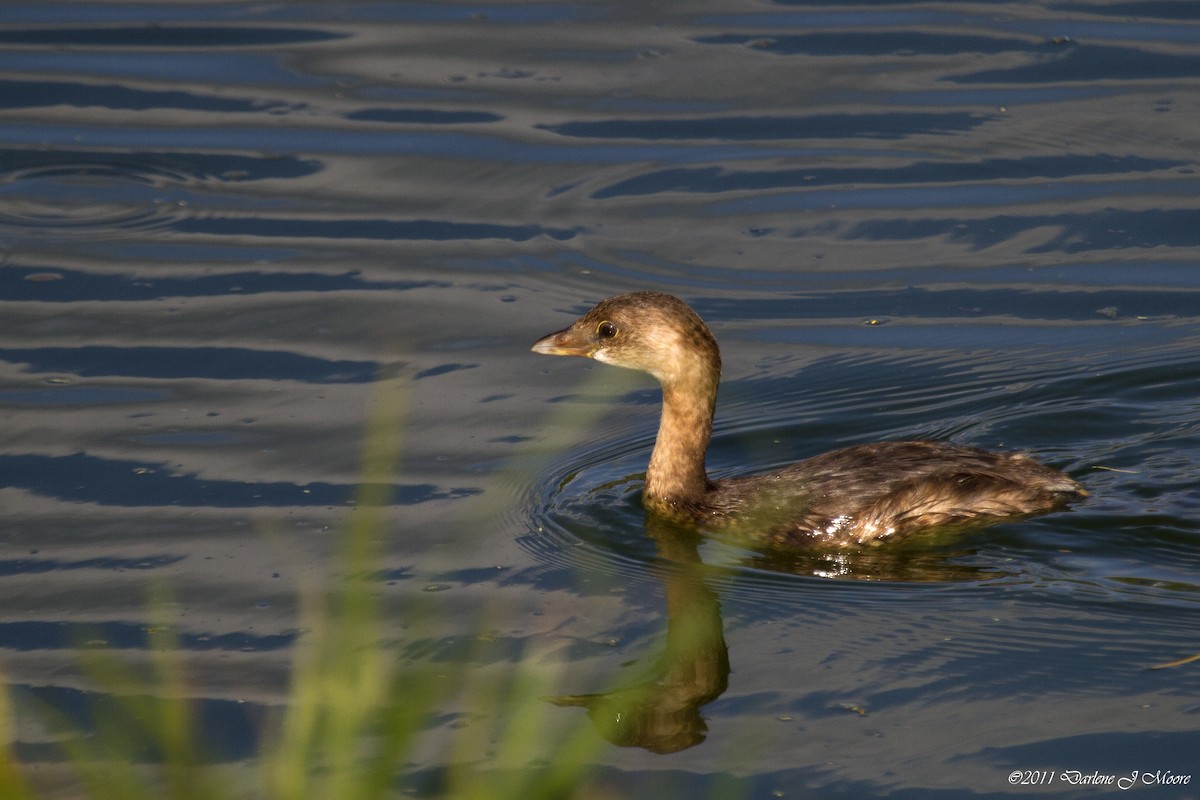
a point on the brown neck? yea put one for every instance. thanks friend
(676, 477)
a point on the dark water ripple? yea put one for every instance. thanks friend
(228, 724)
(33, 565)
(171, 37)
(825, 126)
(422, 116)
(151, 167)
(226, 363)
(73, 286)
(1104, 230)
(372, 229)
(711, 180)
(880, 43)
(1093, 63)
(35, 94)
(81, 478)
(63, 635)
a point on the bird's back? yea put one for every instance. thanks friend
(875, 492)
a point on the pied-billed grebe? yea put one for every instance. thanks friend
(855, 495)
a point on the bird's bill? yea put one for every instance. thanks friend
(566, 342)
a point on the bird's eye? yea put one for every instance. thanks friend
(606, 330)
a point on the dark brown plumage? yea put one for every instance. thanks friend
(852, 496)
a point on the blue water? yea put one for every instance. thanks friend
(221, 224)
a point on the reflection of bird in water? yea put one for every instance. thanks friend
(662, 712)
(852, 496)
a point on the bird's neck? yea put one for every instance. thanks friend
(676, 478)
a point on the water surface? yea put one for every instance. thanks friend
(222, 223)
